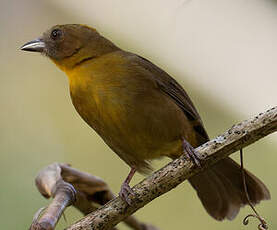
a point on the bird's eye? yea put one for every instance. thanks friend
(56, 34)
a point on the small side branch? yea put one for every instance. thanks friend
(69, 186)
(168, 177)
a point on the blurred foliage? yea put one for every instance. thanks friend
(40, 126)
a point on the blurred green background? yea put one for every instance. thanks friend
(39, 124)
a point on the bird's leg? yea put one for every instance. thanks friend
(190, 153)
(126, 190)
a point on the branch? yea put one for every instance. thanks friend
(168, 177)
(69, 186)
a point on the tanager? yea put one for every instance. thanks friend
(141, 113)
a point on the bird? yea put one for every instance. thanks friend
(142, 113)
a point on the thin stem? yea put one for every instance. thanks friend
(263, 224)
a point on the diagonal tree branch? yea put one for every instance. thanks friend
(168, 177)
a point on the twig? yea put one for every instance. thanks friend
(167, 178)
(64, 195)
(263, 224)
(70, 186)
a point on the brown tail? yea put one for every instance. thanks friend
(221, 192)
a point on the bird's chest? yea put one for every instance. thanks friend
(129, 115)
(109, 111)
(103, 105)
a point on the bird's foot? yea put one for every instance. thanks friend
(126, 192)
(191, 153)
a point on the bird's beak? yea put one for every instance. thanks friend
(35, 46)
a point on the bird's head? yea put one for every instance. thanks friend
(67, 45)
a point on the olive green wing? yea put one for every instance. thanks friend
(175, 91)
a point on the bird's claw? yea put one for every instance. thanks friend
(126, 192)
(191, 153)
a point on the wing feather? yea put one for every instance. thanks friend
(175, 91)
